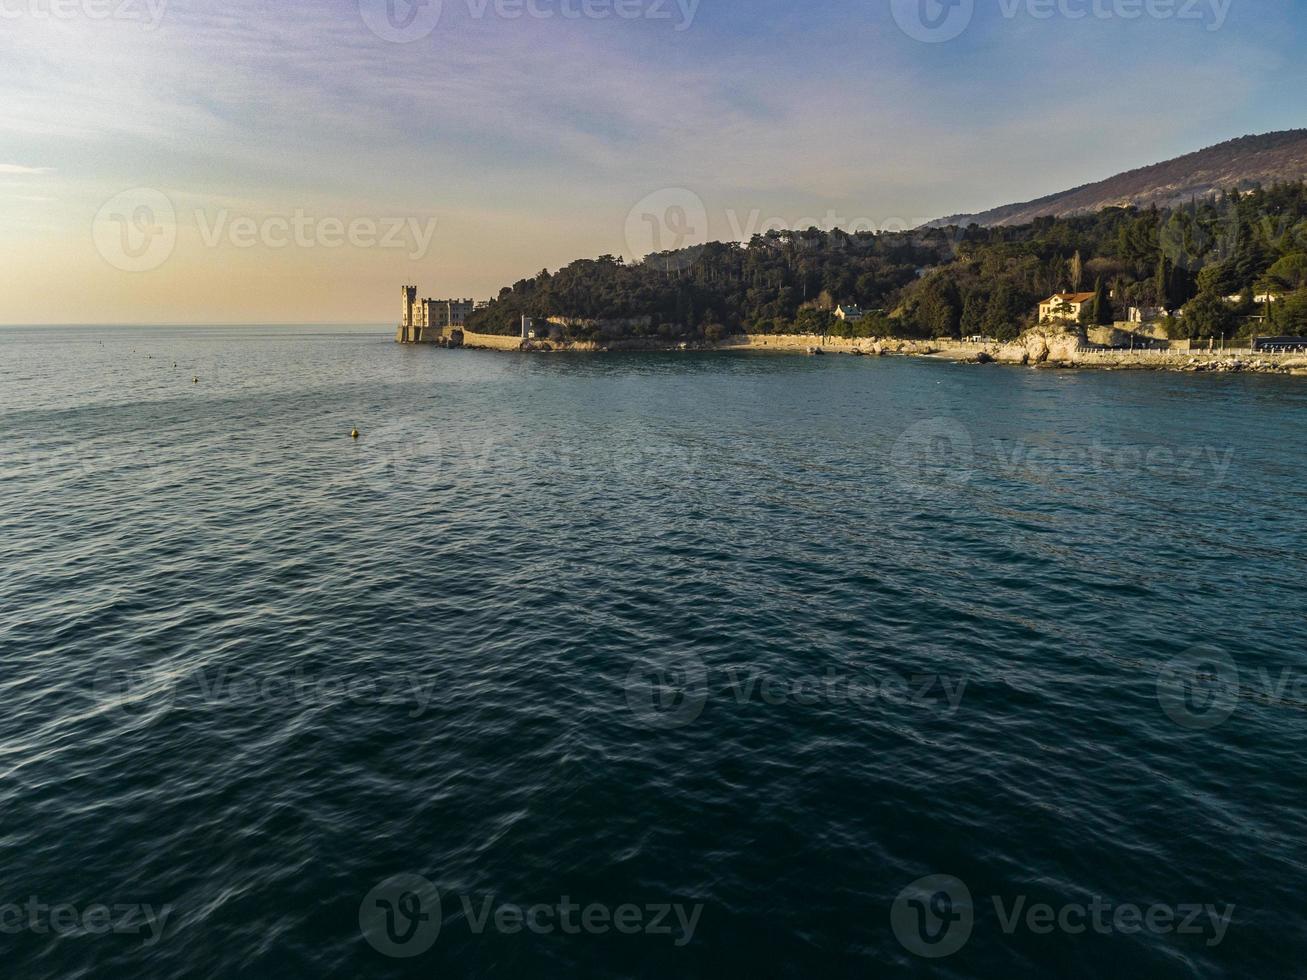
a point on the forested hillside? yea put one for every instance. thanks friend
(947, 282)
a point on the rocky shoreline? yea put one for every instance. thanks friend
(1039, 348)
(1056, 348)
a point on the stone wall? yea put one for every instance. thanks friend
(1231, 359)
(494, 341)
(512, 342)
(1122, 334)
(417, 334)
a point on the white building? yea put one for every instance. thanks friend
(1261, 299)
(1144, 314)
(1065, 307)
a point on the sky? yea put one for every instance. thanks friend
(298, 161)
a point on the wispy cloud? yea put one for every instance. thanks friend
(532, 138)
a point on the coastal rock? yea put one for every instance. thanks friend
(1042, 344)
(1012, 354)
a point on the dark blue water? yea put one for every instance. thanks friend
(730, 651)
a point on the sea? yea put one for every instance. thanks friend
(643, 665)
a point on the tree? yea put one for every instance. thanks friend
(973, 313)
(939, 309)
(1003, 315)
(1291, 314)
(814, 322)
(1251, 260)
(1290, 273)
(1077, 272)
(1209, 315)
(1101, 312)
(1221, 278)
(1162, 283)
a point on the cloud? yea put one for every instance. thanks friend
(531, 138)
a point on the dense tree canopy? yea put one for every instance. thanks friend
(939, 282)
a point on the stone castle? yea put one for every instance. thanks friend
(432, 321)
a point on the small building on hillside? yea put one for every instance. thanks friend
(1065, 307)
(849, 313)
(1144, 314)
(1261, 299)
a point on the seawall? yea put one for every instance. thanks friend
(1171, 360)
(1031, 350)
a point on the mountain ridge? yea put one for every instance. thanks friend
(1239, 163)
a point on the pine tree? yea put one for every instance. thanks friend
(1102, 309)
(973, 313)
(1001, 319)
(1162, 282)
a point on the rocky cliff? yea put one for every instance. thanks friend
(1043, 344)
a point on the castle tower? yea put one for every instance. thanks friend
(407, 333)
(410, 299)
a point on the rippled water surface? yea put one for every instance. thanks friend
(760, 639)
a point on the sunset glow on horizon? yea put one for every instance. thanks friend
(296, 162)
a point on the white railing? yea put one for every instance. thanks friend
(1178, 351)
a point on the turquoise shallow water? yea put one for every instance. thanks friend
(768, 637)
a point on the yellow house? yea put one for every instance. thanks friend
(1065, 307)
